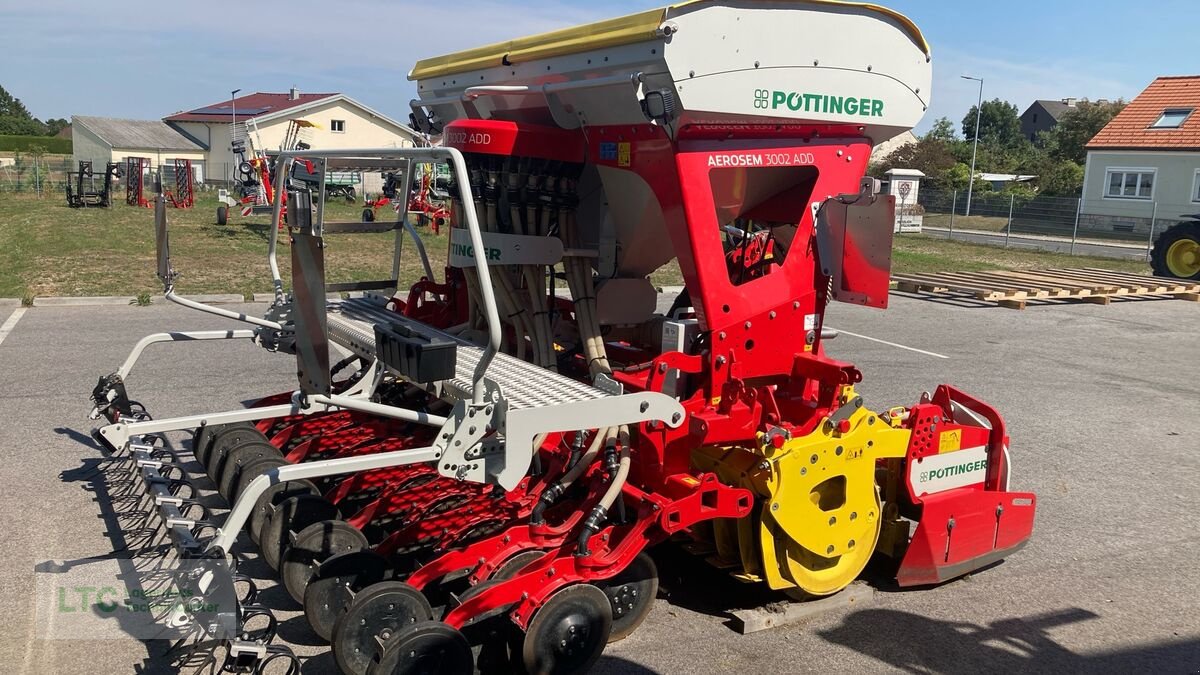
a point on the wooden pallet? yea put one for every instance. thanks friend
(1014, 288)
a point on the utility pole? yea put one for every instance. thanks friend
(975, 148)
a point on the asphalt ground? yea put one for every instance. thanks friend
(1101, 404)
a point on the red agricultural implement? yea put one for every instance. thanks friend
(428, 206)
(514, 431)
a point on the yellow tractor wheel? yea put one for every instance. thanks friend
(1177, 252)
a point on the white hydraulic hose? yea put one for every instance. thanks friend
(618, 481)
(593, 449)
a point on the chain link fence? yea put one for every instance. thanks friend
(48, 175)
(1061, 224)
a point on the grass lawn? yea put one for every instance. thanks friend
(982, 223)
(49, 249)
(930, 253)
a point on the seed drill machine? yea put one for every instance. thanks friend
(475, 483)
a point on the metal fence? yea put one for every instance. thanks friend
(1120, 229)
(49, 175)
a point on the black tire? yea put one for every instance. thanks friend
(312, 546)
(224, 438)
(378, 612)
(631, 594)
(222, 215)
(224, 444)
(1181, 233)
(332, 588)
(368, 215)
(202, 438)
(291, 515)
(237, 458)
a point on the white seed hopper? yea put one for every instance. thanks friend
(723, 61)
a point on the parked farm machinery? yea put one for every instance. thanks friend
(254, 172)
(1176, 252)
(81, 185)
(516, 430)
(427, 198)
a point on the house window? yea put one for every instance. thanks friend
(1172, 118)
(1130, 184)
(1196, 187)
(1035, 118)
(337, 126)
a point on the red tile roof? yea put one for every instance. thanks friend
(250, 105)
(1130, 129)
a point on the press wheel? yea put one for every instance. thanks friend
(335, 583)
(631, 594)
(429, 648)
(274, 494)
(312, 546)
(224, 441)
(376, 614)
(568, 633)
(239, 457)
(207, 434)
(291, 515)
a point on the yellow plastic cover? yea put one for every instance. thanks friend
(609, 33)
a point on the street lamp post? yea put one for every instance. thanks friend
(975, 148)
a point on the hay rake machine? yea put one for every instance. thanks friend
(480, 491)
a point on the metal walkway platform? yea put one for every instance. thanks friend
(352, 325)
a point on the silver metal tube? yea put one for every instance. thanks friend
(128, 429)
(281, 167)
(403, 213)
(412, 233)
(459, 166)
(237, 316)
(375, 409)
(328, 467)
(178, 336)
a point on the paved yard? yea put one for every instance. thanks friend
(1102, 408)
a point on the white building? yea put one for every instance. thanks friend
(1145, 164)
(106, 139)
(340, 122)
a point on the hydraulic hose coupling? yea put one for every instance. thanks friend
(610, 456)
(551, 495)
(590, 526)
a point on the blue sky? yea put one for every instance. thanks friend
(148, 58)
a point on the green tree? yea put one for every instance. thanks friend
(954, 178)
(55, 125)
(999, 124)
(929, 156)
(1060, 178)
(942, 130)
(11, 106)
(1068, 140)
(16, 119)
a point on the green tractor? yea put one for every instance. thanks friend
(1176, 253)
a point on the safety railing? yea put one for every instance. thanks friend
(413, 156)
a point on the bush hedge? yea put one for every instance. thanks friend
(57, 146)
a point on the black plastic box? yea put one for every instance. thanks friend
(416, 357)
